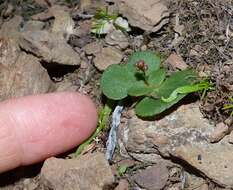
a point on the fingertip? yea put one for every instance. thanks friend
(44, 125)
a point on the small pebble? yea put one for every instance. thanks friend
(219, 132)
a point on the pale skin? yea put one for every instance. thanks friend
(34, 128)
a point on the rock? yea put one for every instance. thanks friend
(138, 41)
(229, 121)
(42, 3)
(187, 134)
(8, 11)
(231, 138)
(9, 52)
(49, 47)
(80, 42)
(107, 57)
(42, 16)
(30, 184)
(179, 28)
(33, 25)
(90, 171)
(123, 185)
(93, 48)
(197, 51)
(145, 158)
(203, 187)
(174, 188)
(152, 178)
(11, 28)
(63, 24)
(117, 38)
(176, 62)
(65, 85)
(220, 131)
(149, 15)
(84, 28)
(84, 5)
(21, 74)
(191, 181)
(143, 48)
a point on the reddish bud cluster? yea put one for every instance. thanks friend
(140, 65)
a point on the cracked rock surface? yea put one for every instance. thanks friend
(184, 134)
(149, 15)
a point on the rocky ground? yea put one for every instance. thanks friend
(47, 46)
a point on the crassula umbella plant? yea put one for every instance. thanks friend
(143, 77)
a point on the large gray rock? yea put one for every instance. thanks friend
(49, 47)
(21, 74)
(149, 15)
(183, 134)
(90, 171)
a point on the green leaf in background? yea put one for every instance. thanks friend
(150, 59)
(139, 89)
(149, 107)
(156, 77)
(116, 81)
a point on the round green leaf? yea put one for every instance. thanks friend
(139, 89)
(157, 77)
(115, 82)
(150, 59)
(150, 107)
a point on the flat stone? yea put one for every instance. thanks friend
(117, 38)
(153, 177)
(108, 56)
(21, 74)
(90, 171)
(85, 4)
(93, 48)
(231, 137)
(183, 134)
(63, 23)
(9, 51)
(123, 185)
(176, 62)
(42, 16)
(11, 28)
(33, 25)
(220, 131)
(149, 15)
(49, 47)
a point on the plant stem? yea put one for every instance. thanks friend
(103, 117)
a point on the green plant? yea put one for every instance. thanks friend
(121, 170)
(103, 21)
(103, 117)
(143, 77)
(229, 106)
